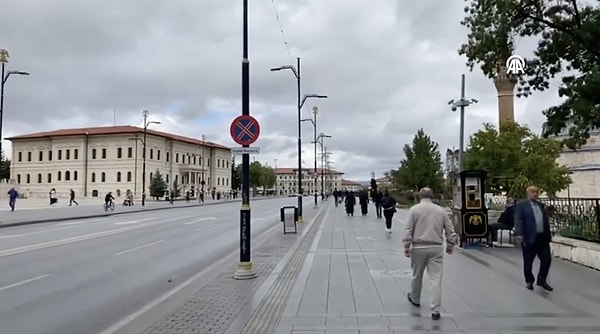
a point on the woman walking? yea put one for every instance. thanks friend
(389, 208)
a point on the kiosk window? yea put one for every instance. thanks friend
(473, 194)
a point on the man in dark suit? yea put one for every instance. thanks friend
(532, 229)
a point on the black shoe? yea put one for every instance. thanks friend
(529, 286)
(435, 316)
(546, 286)
(412, 301)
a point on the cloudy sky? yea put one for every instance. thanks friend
(388, 66)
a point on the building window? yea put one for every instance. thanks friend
(103, 177)
(76, 154)
(29, 156)
(119, 153)
(176, 157)
(20, 156)
(189, 159)
(94, 193)
(67, 176)
(103, 153)
(49, 177)
(227, 164)
(39, 178)
(194, 159)
(208, 162)
(28, 178)
(59, 176)
(167, 178)
(50, 155)
(158, 155)
(128, 176)
(93, 153)
(167, 156)
(59, 154)
(93, 177)
(218, 181)
(151, 154)
(41, 156)
(67, 154)
(118, 176)
(19, 178)
(74, 175)
(130, 152)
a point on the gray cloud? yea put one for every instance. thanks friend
(389, 68)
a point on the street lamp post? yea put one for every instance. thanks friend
(3, 78)
(462, 103)
(276, 180)
(315, 111)
(320, 139)
(300, 102)
(145, 114)
(202, 183)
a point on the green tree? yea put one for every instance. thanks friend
(260, 176)
(236, 181)
(176, 189)
(158, 186)
(4, 167)
(568, 39)
(516, 155)
(422, 166)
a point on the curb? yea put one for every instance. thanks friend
(101, 215)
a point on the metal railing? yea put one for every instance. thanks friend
(577, 218)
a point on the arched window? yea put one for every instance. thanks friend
(59, 176)
(39, 178)
(118, 176)
(128, 176)
(93, 177)
(118, 192)
(103, 177)
(94, 193)
(67, 176)
(28, 178)
(74, 175)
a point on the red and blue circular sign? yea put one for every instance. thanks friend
(244, 130)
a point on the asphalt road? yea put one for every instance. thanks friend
(81, 276)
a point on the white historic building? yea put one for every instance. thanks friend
(584, 164)
(94, 161)
(287, 180)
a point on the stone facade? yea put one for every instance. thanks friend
(94, 161)
(585, 166)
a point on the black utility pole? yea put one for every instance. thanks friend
(146, 124)
(300, 102)
(322, 137)
(202, 183)
(313, 120)
(3, 78)
(244, 270)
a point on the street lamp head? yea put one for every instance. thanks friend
(154, 122)
(18, 72)
(315, 110)
(316, 96)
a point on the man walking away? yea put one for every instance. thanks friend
(378, 207)
(12, 198)
(532, 229)
(72, 198)
(426, 225)
(389, 208)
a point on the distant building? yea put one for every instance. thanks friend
(94, 161)
(384, 182)
(451, 165)
(287, 180)
(350, 185)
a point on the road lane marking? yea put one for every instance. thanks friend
(200, 220)
(206, 227)
(60, 242)
(139, 247)
(137, 221)
(7, 236)
(14, 285)
(81, 222)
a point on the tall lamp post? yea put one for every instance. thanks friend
(202, 183)
(300, 102)
(145, 114)
(245, 270)
(321, 140)
(3, 78)
(276, 180)
(454, 105)
(313, 120)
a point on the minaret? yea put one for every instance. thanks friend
(505, 86)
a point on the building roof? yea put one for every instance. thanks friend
(350, 183)
(383, 179)
(284, 170)
(113, 130)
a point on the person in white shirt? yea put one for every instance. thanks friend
(426, 225)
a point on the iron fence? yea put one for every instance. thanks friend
(577, 218)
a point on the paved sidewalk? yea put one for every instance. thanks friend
(355, 280)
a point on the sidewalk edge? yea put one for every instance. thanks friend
(101, 215)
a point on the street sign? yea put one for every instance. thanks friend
(245, 150)
(244, 130)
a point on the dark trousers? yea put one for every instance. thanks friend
(494, 228)
(388, 214)
(541, 249)
(12, 203)
(379, 210)
(72, 200)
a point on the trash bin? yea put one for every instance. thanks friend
(289, 218)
